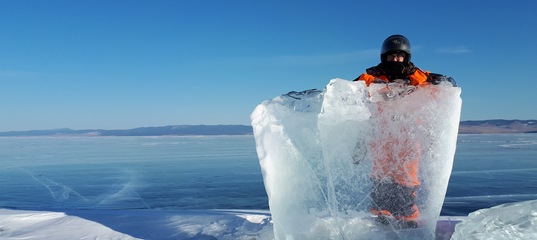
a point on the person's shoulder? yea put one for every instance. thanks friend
(375, 71)
(411, 68)
(370, 74)
(436, 78)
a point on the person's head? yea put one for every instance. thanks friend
(395, 48)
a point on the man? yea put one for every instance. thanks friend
(396, 157)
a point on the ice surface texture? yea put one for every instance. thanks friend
(314, 149)
(508, 221)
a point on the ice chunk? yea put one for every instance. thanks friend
(508, 221)
(316, 151)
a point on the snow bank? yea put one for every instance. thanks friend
(135, 224)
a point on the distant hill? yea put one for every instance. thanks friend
(465, 127)
(178, 130)
(498, 126)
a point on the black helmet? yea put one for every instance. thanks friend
(393, 44)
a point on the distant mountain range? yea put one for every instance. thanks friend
(498, 126)
(465, 127)
(178, 130)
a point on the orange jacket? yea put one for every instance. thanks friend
(419, 77)
(400, 165)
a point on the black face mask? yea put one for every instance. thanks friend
(394, 70)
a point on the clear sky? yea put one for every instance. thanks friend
(127, 63)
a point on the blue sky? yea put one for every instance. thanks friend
(125, 64)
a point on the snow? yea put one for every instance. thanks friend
(315, 153)
(135, 224)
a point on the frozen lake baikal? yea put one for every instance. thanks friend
(130, 173)
(220, 172)
(489, 170)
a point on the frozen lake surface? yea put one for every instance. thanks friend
(220, 172)
(130, 173)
